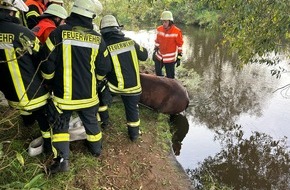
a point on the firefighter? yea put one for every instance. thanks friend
(36, 8)
(18, 51)
(52, 17)
(124, 79)
(77, 58)
(168, 46)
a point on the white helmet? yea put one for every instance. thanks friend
(87, 8)
(56, 10)
(60, 2)
(108, 21)
(166, 15)
(14, 5)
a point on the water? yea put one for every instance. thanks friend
(237, 119)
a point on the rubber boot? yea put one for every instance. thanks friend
(95, 148)
(105, 125)
(28, 120)
(59, 165)
(133, 133)
(47, 148)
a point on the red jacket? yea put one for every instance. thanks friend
(169, 43)
(36, 8)
(43, 29)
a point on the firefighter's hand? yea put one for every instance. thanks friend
(154, 54)
(177, 62)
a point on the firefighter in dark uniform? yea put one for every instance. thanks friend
(77, 60)
(36, 8)
(124, 79)
(18, 48)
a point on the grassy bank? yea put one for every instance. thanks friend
(145, 164)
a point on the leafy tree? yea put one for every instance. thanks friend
(253, 28)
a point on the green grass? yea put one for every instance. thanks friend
(20, 171)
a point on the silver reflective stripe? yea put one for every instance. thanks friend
(6, 46)
(81, 44)
(119, 51)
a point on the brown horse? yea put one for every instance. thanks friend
(163, 94)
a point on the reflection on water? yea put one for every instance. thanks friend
(179, 128)
(238, 127)
(257, 162)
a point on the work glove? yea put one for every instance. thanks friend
(179, 55)
(177, 62)
(154, 54)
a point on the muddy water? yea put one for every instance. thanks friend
(238, 120)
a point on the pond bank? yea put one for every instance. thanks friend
(145, 164)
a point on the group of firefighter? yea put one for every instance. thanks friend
(53, 64)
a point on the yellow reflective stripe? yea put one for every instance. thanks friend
(103, 108)
(47, 76)
(135, 61)
(32, 13)
(106, 53)
(98, 117)
(99, 77)
(16, 75)
(136, 66)
(94, 138)
(135, 89)
(76, 104)
(30, 104)
(93, 67)
(36, 45)
(49, 44)
(54, 150)
(118, 71)
(134, 124)
(67, 72)
(60, 137)
(45, 134)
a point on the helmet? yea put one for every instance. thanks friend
(109, 21)
(14, 5)
(87, 8)
(166, 15)
(56, 1)
(56, 10)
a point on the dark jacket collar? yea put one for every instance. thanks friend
(78, 20)
(5, 17)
